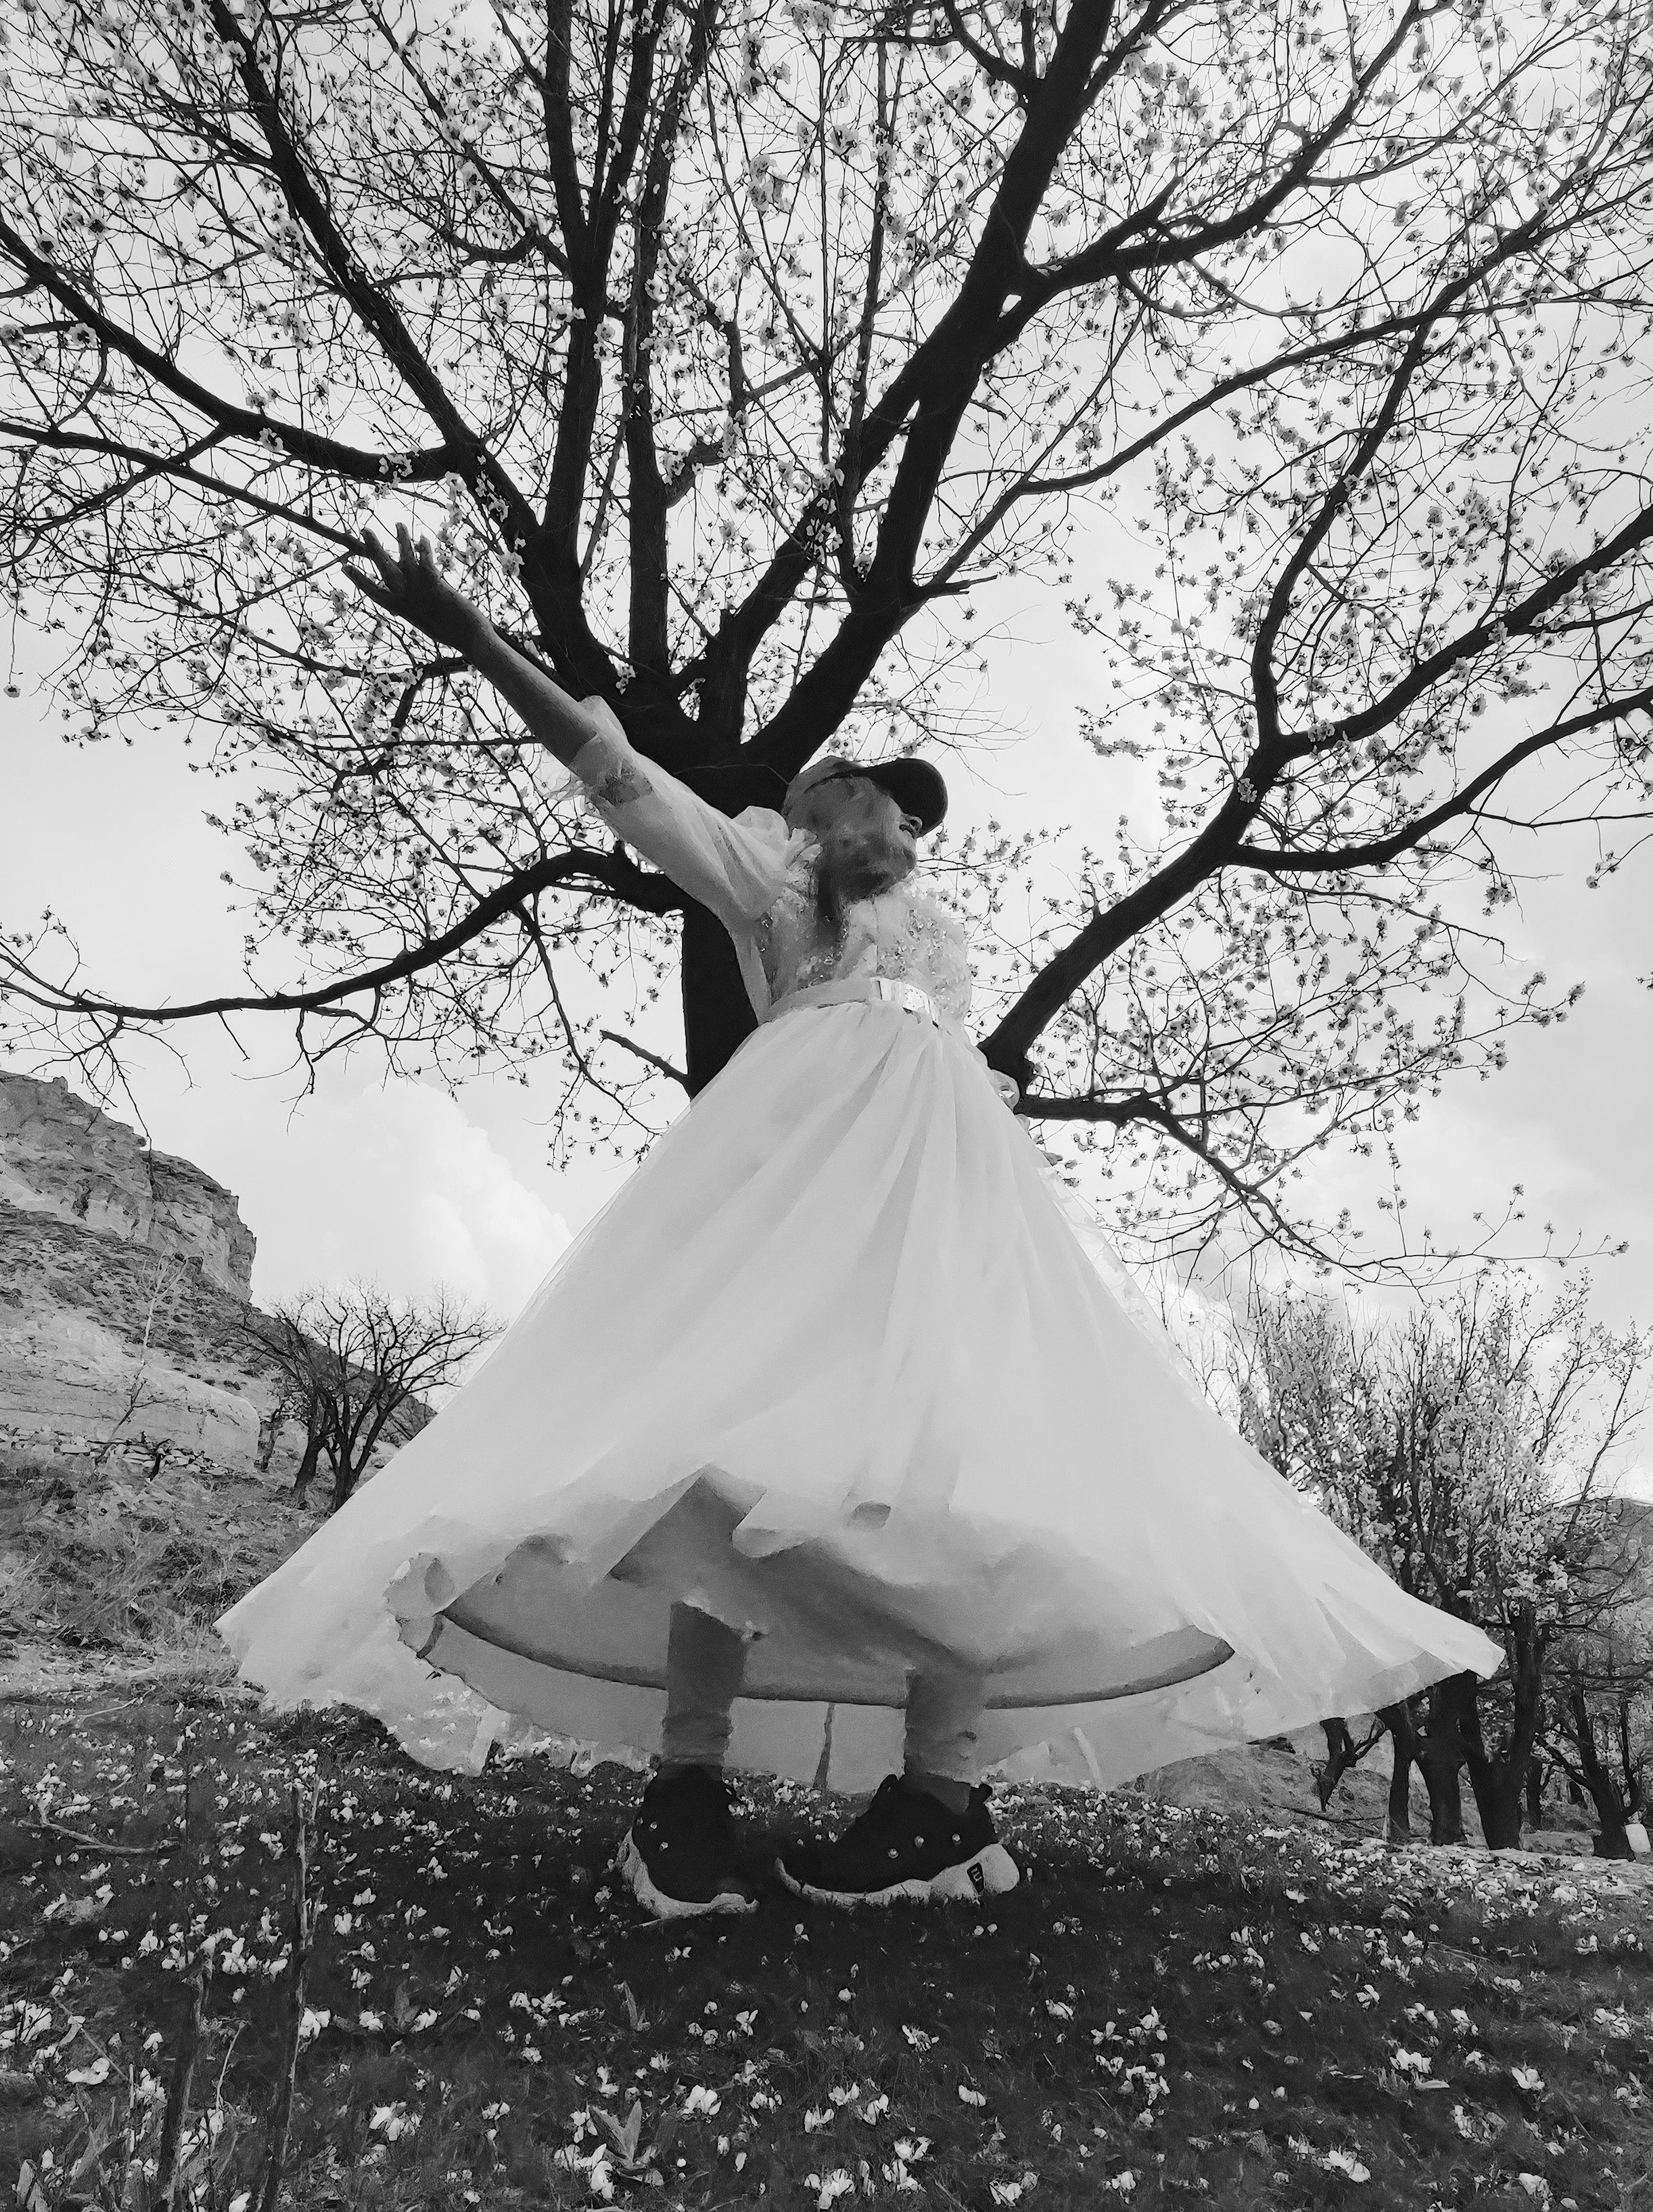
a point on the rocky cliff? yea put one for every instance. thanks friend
(125, 1279)
(63, 1157)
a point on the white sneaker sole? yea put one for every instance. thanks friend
(629, 1866)
(991, 1873)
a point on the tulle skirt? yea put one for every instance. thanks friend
(843, 1365)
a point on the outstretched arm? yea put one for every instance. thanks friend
(409, 585)
(733, 867)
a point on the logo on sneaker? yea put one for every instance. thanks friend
(978, 1878)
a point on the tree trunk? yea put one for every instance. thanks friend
(1498, 1782)
(1497, 1785)
(308, 1464)
(346, 1469)
(718, 1016)
(1404, 1747)
(1632, 1782)
(1535, 1795)
(1340, 1755)
(354, 1447)
(1441, 1755)
(1610, 1808)
(1400, 1796)
(1437, 1755)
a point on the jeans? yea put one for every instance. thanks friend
(704, 1661)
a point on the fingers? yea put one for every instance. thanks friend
(370, 588)
(407, 556)
(404, 578)
(398, 572)
(380, 555)
(384, 588)
(413, 557)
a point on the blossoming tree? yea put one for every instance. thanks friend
(1471, 1449)
(734, 356)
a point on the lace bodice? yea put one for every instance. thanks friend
(901, 935)
(758, 877)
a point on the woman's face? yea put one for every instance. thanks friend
(862, 831)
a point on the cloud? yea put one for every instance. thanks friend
(398, 1185)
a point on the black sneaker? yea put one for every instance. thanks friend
(906, 1845)
(679, 1854)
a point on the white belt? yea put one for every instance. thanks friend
(862, 990)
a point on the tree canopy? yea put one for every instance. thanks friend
(735, 357)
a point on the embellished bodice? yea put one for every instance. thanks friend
(901, 934)
(758, 876)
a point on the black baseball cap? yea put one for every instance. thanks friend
(916, 785)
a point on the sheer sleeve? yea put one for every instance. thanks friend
(738, 868)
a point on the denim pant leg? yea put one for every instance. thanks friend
(704, 1661)
(944, 1712)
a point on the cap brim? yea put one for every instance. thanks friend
(915, 785)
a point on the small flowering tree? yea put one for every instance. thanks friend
(747, 364)
(1469, 1449)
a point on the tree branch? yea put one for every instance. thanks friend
(1023, 82)
(1142, 1106)
(177, 470)
(1377, 852)
(933, 388)
(615, 872)
(651, 565)
(654, 1058)
(357, 463)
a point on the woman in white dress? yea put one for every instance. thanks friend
(839, 1446)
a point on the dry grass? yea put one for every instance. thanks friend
(1176, 2005)
(107, 1576)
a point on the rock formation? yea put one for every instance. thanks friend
(125, 1280)
(62, 1156)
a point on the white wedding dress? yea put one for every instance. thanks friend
(842, 1365)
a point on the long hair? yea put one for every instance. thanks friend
(838, 887)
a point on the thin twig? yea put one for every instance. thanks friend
(304, 1925)
(169, 2179)
(97, 1843)
(107, 1713)
(654, 1058)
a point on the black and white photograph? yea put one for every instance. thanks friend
(825, 1028)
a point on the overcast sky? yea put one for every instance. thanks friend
(401, 1182)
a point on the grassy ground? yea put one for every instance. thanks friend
(1177, 2004)
(106, 1575)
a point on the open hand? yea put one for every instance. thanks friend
(407, 584)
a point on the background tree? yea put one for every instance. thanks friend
(730, 356)
(1598, 1717)
(1469, 1448)
(304, 1396)
(360, 1367)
